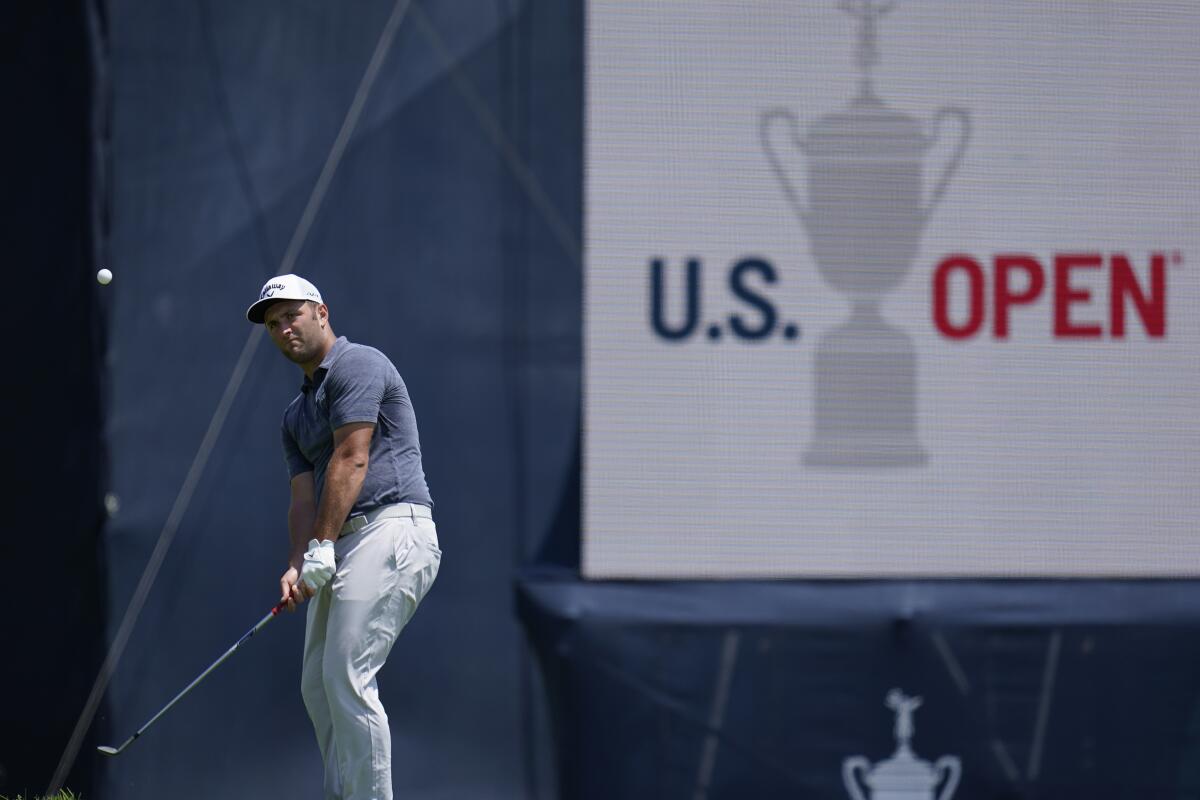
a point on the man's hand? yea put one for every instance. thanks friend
(318, 565)
(292, 592)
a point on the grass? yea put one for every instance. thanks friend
(64, 794)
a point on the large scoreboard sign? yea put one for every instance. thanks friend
(892, 289)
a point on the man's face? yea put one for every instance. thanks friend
(298, 329)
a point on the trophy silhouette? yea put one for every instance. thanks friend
(903, 776)
(864, 218)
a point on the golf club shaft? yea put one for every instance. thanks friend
(271, 615)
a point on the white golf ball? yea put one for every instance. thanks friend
(104, 276)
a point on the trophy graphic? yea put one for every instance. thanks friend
(903, 776)
(864, 217)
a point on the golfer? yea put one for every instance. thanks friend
(364, 548)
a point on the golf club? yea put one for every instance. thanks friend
(112, 751)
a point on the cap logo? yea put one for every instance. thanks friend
(269, 290)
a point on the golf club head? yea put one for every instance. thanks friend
(108, 751)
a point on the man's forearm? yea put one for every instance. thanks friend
(343, 482)
(301, 519)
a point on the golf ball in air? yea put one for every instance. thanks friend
(104, 276)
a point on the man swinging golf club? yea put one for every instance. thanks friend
(364, 547)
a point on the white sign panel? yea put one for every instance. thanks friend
(903, 288)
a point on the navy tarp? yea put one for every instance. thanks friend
(1039, 689)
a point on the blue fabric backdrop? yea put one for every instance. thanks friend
(428, 246)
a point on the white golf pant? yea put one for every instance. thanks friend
(384, 570)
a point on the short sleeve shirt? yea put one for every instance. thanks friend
(356, 383)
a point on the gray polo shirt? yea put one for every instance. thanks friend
(356, 383)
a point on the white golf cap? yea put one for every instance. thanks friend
(282, 287)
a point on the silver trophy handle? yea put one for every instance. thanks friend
(764, 132)
(850, 766)
(964, 128)
(953, 769)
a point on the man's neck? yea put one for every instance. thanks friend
(310, 367)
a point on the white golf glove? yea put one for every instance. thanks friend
(318, 566)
